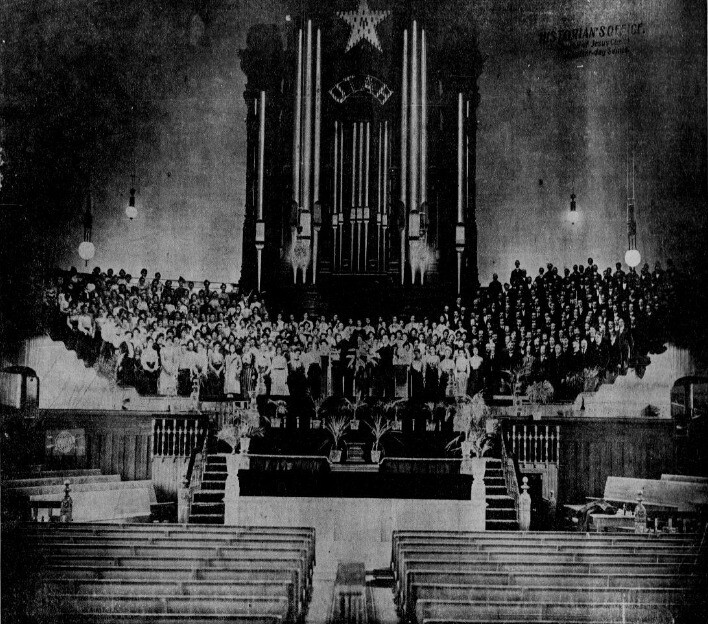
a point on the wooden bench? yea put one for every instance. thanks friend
(580, 553)
(168, 618)
(256, 573)
(549, 558)
(177, 568)
(511, 571)
(546, 593)
(197, 532)
(459, 611)
(546, 540)
(175, 603)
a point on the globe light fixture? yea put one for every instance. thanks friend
(632, 257)
(131, 211)
(87, 250)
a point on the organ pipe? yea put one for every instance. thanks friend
(366, 160)
(296, 122)
(261, 151)
(424, 119)
(360, 158)
(335, 194)
(404, 120)
(354, 134)
(318, 109)
(460, 157)
(404, 153)
(414, 134)
(307, 130)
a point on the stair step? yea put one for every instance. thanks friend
(215, 476)
(214, 486)
(206, 519)
(201, 496)
(501, 514)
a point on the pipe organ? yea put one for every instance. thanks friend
(362, 165)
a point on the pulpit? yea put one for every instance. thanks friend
(355, 452)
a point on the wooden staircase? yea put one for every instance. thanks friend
(208, 501)
(501, 512)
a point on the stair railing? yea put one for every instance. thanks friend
(510, 475)
(195, 467)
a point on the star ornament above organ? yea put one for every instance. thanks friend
(363, 23)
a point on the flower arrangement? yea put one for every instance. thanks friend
(241, 428)
(541, 392)
(470, 420)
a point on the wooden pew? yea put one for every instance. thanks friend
(428, 611)
(444, 573)
(195, 605)
(546, 593)
(571, 541)
(198, 532)
(173, 570)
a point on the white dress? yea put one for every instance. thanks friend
(279, 377)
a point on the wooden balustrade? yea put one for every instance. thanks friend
(535, 443)
(510, 479)
(175, 437)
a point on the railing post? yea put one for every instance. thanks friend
(67, 505)
(164, 436)
(548, 457)
(184, 500)
(558, 437)
(524, 506)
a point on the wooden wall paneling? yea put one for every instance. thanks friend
(148, 457)
(131, 441)
(139, 461)
(107, 452)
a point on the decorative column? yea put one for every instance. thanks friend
(260, 223)
(404, 153)
(460, 228)
(352, 210)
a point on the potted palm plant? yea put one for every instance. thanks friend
(353, 407)
(430, 423)
(394, 406)
(281, 412)
(470, 420)
(379, 428)
(336, 427)
(246, 431)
